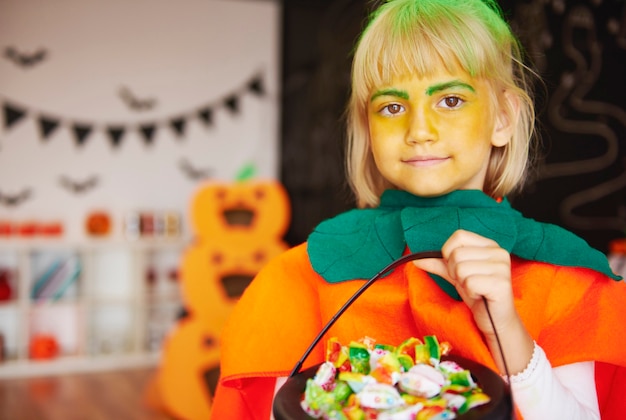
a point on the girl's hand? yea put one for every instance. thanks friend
(478, 267)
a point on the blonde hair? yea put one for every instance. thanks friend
(414, 37)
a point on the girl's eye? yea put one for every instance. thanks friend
(391, 109)
(451, 102)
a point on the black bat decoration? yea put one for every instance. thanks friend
(79, 187)
(23, 59)
(135, 103)
(193, 173)
(15, 199)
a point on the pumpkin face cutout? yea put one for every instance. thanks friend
(238, 230)
(255, 210)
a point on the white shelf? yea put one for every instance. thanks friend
(76, 364)
(111, 317)
(20, 244)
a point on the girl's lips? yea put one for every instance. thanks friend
(425, 160)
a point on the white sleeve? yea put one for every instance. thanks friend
(280, 381)
(565, 392)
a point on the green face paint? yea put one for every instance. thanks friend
(448, 85)
(391, 92)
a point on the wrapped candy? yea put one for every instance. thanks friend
(422, 380)
(406, 382)
(325, 376)
(337, 354)
(359, 357)
(380, 396)
(356, 381)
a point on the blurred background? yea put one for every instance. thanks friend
(139, 139)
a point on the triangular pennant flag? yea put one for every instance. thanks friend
(147, 131)
(178, 125)
(256, 86)
(81, 132)
(116, 134)
(206, 115)
(12, 115)
(47, 126)
(232, 103)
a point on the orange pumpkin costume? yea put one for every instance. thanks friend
(575, 314)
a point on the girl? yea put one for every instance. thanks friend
(440, 123)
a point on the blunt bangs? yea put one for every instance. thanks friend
(418, 37)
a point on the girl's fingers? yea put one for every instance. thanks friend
(473, 264)
(434, 265)
(464, 239)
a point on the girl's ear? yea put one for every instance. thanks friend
(507, 115)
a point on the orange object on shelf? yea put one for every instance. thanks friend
(43, 347)
(98, 223)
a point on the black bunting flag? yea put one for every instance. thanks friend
(12, 114)
(256, 86)
(116, 133)
(232, 103)
(148, 140)
(178, 125)
(206, 115)
(81, 132)
(47, 126)
(147, 132)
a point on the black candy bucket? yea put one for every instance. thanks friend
(500, 407)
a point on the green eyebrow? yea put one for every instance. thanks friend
(448, 85)
(391, 92)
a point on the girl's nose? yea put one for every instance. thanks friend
(422, 128)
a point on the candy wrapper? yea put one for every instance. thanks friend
(367, 380)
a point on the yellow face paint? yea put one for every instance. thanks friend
(433, 135)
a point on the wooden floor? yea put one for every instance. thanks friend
(94, 396)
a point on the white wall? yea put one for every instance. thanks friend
(179, 56)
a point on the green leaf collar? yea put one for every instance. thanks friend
(357, 244)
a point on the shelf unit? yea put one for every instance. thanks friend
(107, 304)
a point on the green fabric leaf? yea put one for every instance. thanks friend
(359, 243)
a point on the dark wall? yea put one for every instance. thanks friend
(318, 36)
(579, 49)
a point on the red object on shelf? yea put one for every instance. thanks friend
(6, 228)
(30, 228)
(43, 347)
(147, 223)
(5, 285)
(51, 229)
(173, 275)
(151, 276)
(618, 246)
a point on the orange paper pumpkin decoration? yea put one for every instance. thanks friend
(254, 210)
(239, 227)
